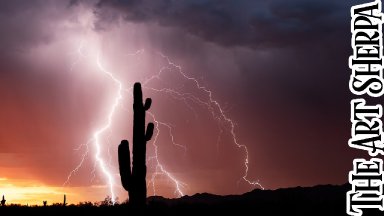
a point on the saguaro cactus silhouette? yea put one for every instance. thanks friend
(133, 180)
(3, 201)
(65, 200)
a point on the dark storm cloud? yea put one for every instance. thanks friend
(27, 24)
(237, 23)
(24, 23)
(305, 41)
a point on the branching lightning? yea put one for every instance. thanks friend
(160, 170)
(211, 104)
(208, 102)
(96, 135)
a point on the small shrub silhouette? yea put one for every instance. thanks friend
(133, 180)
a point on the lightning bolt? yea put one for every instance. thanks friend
(96, 135)
(212, 105)
(160, 170)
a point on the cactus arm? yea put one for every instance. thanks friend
(125, 164)
(147, 104)
(149, 132)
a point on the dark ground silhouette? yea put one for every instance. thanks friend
(326, 200)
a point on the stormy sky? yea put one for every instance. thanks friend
(275, 70)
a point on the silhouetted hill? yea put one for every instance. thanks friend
(324, 200)
(318, 200)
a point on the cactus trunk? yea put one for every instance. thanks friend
(133, 180)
